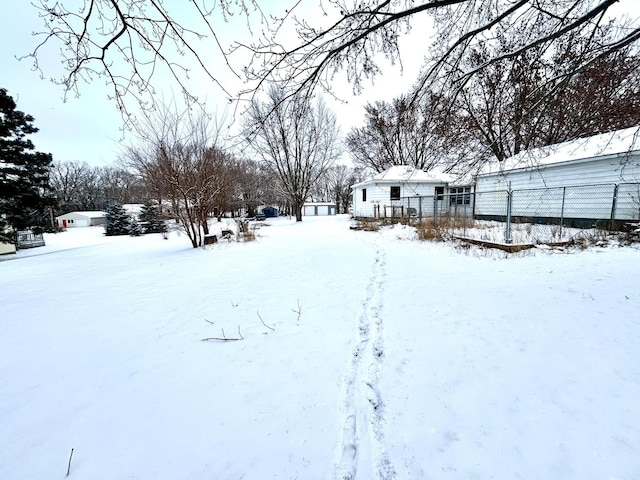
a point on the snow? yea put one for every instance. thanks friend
(404, 173)
(389, 359)
(620, 142)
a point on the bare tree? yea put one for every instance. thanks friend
(121, 186)
(131, 42)
(366, 32)
(68, 182)
(79, 186)
(335, 186)
(517, 103)
(298, 140)
(396, 133)
(181, 162)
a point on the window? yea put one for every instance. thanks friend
(395, 193)
(364, 194)
(460, 196)
(439, 193)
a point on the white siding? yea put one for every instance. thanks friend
(539, 192)
(580, 172)
(380, 194)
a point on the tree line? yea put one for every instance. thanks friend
(500, 77)
(183, 165)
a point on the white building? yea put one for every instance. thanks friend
(81, 219)
(315, 209)
(406, 191)
(594, 178)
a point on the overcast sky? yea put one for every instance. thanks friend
(88, 128)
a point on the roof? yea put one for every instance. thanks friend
(616, 143)
(407, 174)
(88, 213)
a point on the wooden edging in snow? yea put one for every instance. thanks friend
(510, 247)
(507, 247)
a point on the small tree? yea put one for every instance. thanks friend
(118, 221)
(135, 229)
(150, 220)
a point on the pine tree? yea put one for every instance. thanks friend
(135, 229)
(150, 219)
(118, 221)
(25, 192)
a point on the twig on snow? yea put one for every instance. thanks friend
(224, 338)
(69, 466)
(270, 328)
(299, 311)
(208, 321)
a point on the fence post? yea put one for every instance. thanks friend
(435, 210)
(613, 207)
(507, 233)
(420, 208)
(564, 192)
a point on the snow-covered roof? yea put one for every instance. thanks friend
(407, 174)
(619, 142)
(133, 209)
(85, 213)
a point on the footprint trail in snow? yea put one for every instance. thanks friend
(361, 404)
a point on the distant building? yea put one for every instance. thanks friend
(81, 219)
(315, 209)
(270, 212)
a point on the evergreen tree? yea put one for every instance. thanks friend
(118, 221)
(150, 219)
(25, 192)
(135, 229)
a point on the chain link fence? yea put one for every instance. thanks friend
(541, 215)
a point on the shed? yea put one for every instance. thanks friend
(402, 190)
(81, 219)
(593, 178)
(270, 212)
(315, 209)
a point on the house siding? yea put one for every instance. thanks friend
(379, 194)
(582, 188)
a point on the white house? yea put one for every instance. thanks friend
(594, 178)
(81, 219)
(314, 209)
(406, 191)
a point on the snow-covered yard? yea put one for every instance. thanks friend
(388, 359)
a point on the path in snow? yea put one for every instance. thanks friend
(361, 403)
